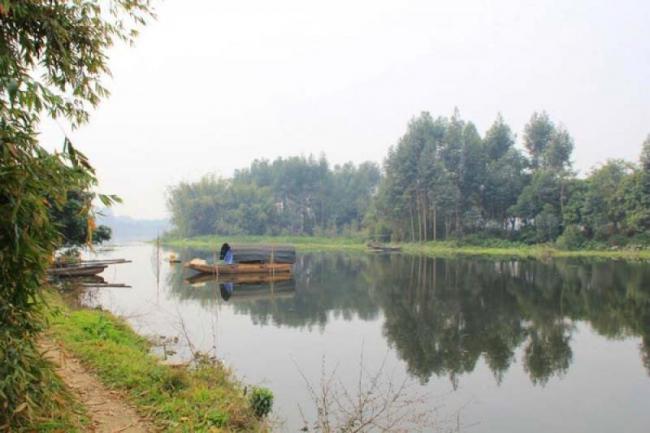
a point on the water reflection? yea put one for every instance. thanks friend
(444, 315)
(248, 286)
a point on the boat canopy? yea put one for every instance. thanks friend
(259, 253)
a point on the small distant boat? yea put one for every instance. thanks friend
(204, 267)
(381, 248)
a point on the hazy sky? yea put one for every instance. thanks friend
(212, 85)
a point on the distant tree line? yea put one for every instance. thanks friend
(442, 180)
(297, 195)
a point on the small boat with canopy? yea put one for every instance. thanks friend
(248, 259)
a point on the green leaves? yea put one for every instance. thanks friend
(12, 88)
(52, 61)
(109, 199)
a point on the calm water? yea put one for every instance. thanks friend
(513, 346)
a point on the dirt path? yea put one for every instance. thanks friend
(108, 411)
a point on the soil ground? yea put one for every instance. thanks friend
(107, 409)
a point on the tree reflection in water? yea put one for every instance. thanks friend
(444, 315)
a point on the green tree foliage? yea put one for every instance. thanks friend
(603, 207)
(52, 57)
(72, 222)
(537, 136)
(541, 203)
(505, 175)
(442, 178)
(637, 200)
(295, 195)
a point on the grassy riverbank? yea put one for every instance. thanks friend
(495, 248)
(206, 398)
(523, 251)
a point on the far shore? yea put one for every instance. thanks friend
(430, 248)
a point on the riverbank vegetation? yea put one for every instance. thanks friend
(53, 58)
(202, 398)
(487, 247)
(443, 181)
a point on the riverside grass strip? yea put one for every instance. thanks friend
(431, 248)
(207, 398)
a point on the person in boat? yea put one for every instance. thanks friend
(226, 254)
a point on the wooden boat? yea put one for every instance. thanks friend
(202, 266)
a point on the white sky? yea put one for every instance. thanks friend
(212, 85)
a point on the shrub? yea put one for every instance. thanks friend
(261, 401)
(571, 239)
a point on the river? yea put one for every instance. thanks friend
(497, 345)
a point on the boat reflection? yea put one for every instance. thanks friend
(246, 286)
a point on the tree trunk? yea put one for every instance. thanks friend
(447, 223)
(417, 211)
(561, 199)
(435, 223)
(423, 217)
(412, 225)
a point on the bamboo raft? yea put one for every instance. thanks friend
(82, 268)
(76, 271)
